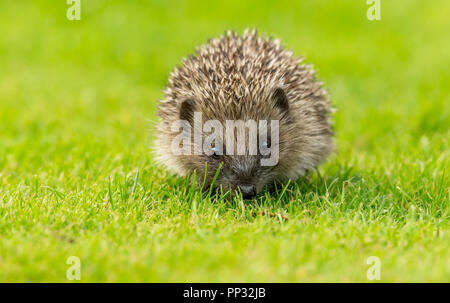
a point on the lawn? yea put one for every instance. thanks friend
(78, 103)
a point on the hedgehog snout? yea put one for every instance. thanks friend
(248, 190)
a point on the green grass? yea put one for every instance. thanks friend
(77, 104)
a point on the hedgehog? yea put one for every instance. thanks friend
(245, 77)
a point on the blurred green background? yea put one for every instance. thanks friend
(77, 107)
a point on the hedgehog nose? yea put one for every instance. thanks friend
(248, 191)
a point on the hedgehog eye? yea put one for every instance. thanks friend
(216, 152)
(265, 148)
(266, 144)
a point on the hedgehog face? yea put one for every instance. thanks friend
(244, 147)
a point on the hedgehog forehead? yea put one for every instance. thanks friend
(234, 86)
(237, 109)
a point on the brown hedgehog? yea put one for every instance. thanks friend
(248, 78)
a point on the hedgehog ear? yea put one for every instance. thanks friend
(187, 110)
(280, 100)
